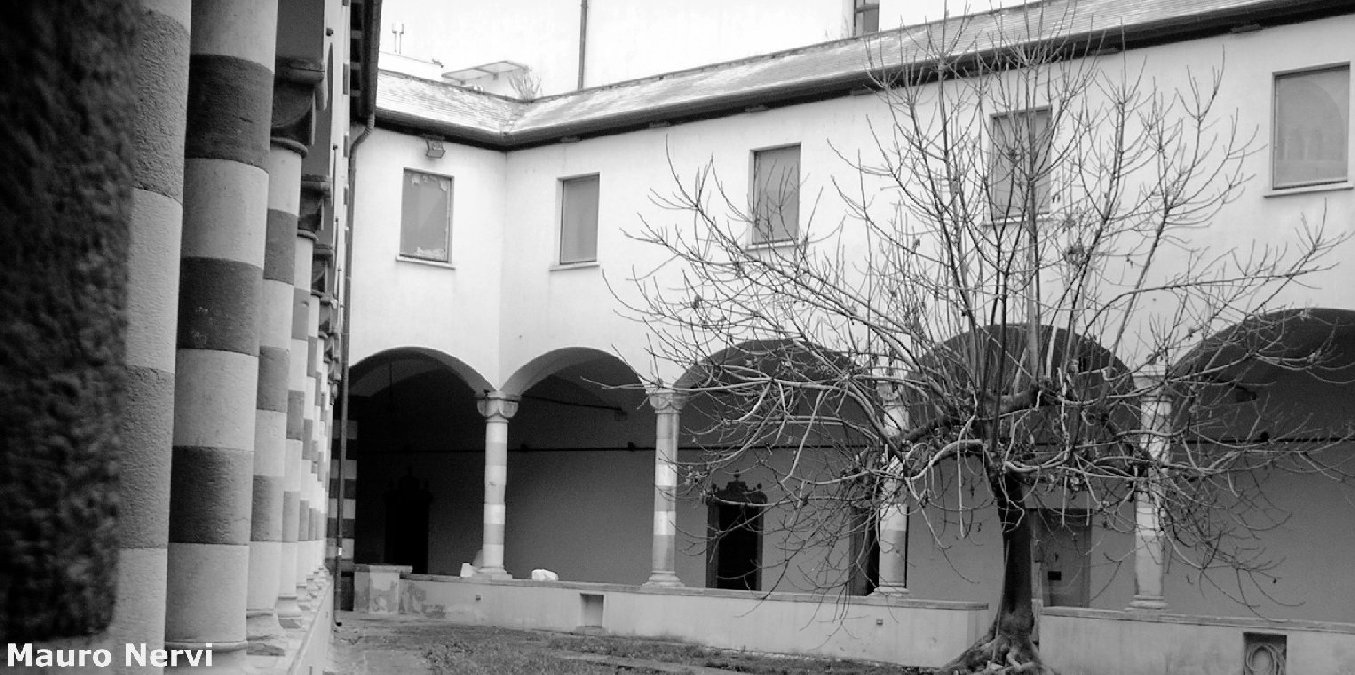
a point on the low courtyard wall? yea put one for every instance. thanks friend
(899, 630)
(1078, 641)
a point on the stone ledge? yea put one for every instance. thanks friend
(1200, 620)
(877, 600)
(306, 639)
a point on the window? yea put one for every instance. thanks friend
(776, 194)
(866, 17)
(578, 220)
(1312, 123)
(426, 217)
(1019, 163)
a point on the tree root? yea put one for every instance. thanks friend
(998, 655)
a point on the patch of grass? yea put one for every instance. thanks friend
(458, 657)
(743, 662)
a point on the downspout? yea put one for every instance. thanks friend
(583, 39)
(347, 339)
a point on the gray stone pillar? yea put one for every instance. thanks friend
(667, 406)
(152, 285)
(1150, 550)
(497, 408)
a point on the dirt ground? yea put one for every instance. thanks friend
(385, 645)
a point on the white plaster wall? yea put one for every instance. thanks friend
(450, 308)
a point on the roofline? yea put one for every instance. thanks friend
(839, 85)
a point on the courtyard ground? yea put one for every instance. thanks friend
(384, 645)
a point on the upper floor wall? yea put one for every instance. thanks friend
(514, 299)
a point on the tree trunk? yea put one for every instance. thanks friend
(1007, 642)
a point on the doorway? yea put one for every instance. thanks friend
(1063, 557)
(734, 552)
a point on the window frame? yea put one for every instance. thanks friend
(1275, 77)
(861, 8)
(753, 194)
(1047, 207)
(560, 211)
(451, 206)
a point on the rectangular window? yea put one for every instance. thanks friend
(426, 217)
(776, 194)
(866, 17)
(1019, 163)
(1312, 127)
(579, 220)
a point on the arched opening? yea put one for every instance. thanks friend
(767, 433)
(417, 448)
(580, 490)
(1277, 392)
(956, 545)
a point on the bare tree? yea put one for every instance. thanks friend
(997, 309)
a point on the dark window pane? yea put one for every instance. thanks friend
(776, 194)
(426, 216)
(1019, 163)
(579, 220)
(1312, 122)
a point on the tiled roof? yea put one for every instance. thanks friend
(816, 71)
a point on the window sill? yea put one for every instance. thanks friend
(590, 264)
(773, 245)
(1308, 189)
(428, 263)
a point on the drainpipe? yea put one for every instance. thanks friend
(347, 338)
(583, 38)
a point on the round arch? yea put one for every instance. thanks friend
(539, 368)
(766, 354)
(420, 359)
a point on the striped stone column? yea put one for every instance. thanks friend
(315, 428)
(230, 99)
(498, 408)
(667, 406)
(270, 434)
(300, 426)
(1150, 549)
(147, 427)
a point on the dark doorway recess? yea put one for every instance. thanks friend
(407, 523)
(734, 554)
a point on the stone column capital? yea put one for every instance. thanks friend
(497, 405)
(667, 400)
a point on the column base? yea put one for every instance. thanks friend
(891, 590)
(663, 580)
(1153, 603)
(492, 573)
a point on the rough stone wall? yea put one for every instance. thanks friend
(66, 102)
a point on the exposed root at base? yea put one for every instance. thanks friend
(998, 655)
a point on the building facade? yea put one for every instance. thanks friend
(507, 411)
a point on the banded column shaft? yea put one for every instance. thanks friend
(1150, 550)
(893, 513)
(230, 99)
(316, 501)
(147, 427)
(497, 408)
(270, 434)
(298, 428)
(667, 406)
